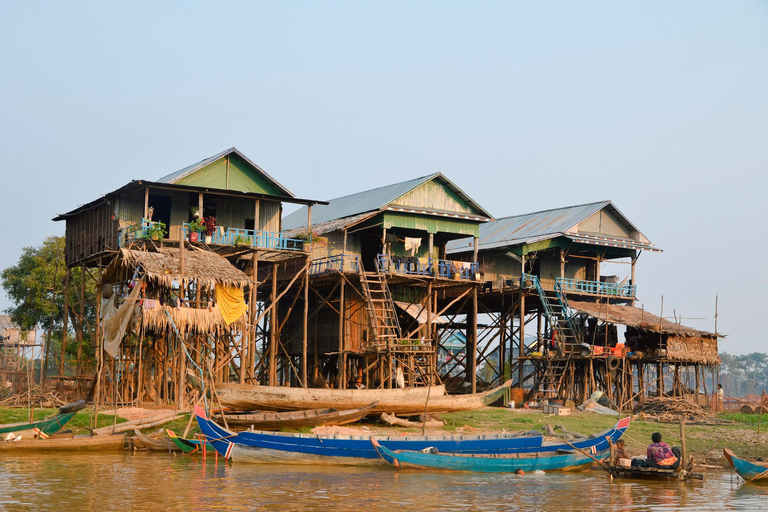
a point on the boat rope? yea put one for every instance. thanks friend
(183, 346)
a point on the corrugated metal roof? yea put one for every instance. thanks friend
(181, 173)
(6, 323)
(373, 200)
(534, 227)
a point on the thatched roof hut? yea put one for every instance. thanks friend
(162, 268)
(683, 344)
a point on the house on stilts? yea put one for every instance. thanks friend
(554, 316)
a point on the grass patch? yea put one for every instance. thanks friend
(746, 419)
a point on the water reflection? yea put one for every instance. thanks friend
(150, 481)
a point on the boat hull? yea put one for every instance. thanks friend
(404, 402)
(297, 419)
(308, 449)
(749, 471)
(509, 463)
(71, 444)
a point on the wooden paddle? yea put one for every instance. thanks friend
(607, 468)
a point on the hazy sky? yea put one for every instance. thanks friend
(658, 106)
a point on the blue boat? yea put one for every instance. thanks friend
(749, 471)
(483, 463)
(284, 448)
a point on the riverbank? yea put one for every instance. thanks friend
(704, 442)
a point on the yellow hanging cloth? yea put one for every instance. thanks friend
(231, 302)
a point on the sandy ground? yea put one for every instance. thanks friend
(137, 413)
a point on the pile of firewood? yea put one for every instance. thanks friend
(34, 398)
(671, 408)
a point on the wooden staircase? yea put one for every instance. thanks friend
(381, 309)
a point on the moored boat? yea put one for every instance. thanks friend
(400, 401)
(188, 446)
(749, 471)
(69, 444)
(47, 426)
(483, 463)
(285, 448)
(296, 419)
(155, 442)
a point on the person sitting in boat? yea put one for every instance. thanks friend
(359, 383)
(620, 452)
(660, 455)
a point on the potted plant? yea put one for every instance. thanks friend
(210, 227)
(195, 227)
(195, 211)
(156, 231)
(310, 237)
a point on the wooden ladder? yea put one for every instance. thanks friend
(381, 308)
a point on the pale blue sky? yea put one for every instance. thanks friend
(658, 106)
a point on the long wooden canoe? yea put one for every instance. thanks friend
(48, 426)
(402, 402)
(749, 471)
(483, 463)
(156, 442)
(296, 419)
(74, 444)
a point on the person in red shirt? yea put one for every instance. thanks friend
(660, 455)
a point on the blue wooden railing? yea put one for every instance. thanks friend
(596, 287)
(337, 263)
(250, 238)
(139, 230)
(407, 265)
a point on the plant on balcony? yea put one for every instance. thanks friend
(195, 227)
(246, 241)
(311, 237)
(156, 231)
(210, 226)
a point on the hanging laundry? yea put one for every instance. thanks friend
(412, 245)
(231, 302)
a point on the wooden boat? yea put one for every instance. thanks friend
(749, 471)
(284, 448)
(297, 419)
(403, 402)
(155, 442)
(74, 444)
(482, 463)
(188, 446)
(653, 473)
(48, 426)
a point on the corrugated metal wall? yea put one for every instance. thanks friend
(242, 177)
(434, 195)
(269, 216)
(90, 233)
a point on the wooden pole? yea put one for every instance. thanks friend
(81, 321)
(341, 364)
(65, 327)
(682, 442)
(273, 322)
(305, 331)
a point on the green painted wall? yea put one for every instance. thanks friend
(242, 177)
(430, 224)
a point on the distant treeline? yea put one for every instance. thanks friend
(744, 374)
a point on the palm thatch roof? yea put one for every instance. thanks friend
(162, 267)
(638, 318)
(188, 320)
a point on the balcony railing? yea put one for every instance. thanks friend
(406, 265)
(250, 238)
(337, 263)
(596, 287)
(141, 229)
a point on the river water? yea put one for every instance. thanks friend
(159, 481)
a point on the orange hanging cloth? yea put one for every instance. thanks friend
(231, 302)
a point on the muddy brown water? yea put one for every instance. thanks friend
(159, 481)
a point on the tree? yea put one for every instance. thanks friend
(35, 286)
